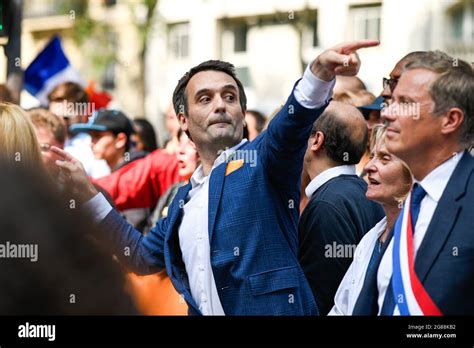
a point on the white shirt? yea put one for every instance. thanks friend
(327, 175)
(351, 285)
(79, 146)
(434, 184)
(310, 92)
(194, 240)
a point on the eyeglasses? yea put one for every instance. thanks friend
(392, 83)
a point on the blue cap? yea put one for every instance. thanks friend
(105, 120)
(377, 104)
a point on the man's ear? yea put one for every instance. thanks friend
(452, 121)
(120, 140)
(317, 141)
(183, 121)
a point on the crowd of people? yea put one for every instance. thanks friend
(341, 203)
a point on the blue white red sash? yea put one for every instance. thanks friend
(410, 295)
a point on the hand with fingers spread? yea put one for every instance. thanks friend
(74, 176)
(340, 60)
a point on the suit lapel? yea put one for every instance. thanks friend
(180, 198)
(444, 217)
(216, 183)
(174, 215)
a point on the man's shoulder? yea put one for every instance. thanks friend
(342, 187)
(346, 193)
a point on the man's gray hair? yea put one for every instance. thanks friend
(453, 88)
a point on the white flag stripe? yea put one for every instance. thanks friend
(410, 299)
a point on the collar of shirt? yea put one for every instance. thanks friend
(435, 182)
(198, 176)
(327, 175)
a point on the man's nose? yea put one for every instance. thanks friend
(370, 166)
(388, 113)
(220, 104)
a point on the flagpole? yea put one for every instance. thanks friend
(14, 12)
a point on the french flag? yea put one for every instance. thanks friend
(50, 68)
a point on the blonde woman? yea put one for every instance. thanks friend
(18, 142)
(389, 183)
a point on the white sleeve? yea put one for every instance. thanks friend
(312, 92)
(98, 207)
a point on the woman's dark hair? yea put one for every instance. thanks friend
(147, 134)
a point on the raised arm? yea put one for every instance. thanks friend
(282, 147)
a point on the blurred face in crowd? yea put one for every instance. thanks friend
(108, 146)
(251, 125)
(46, 139)
(394, 76)
(215, 116)
(171, 122)
(389, 179)
(187, 157)
(138, 144)
(412, 128)
(63, 110)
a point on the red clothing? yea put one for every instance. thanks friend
(141, 183)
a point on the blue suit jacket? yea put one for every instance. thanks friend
(445, 260)
(253, 219)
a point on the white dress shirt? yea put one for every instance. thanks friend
(434, 184)
(194, 240)
(351, 285)
(310, 92)
(327, 175)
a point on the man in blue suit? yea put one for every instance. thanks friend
(430, 126)
(229, 243)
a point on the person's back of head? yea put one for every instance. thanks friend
(346, 84)
(18, 142)
(71, 102)
(357, 99)
(5, 94)
(50, 131)
(70, 92)
(48, 267)
(45, 119)
(345, 133)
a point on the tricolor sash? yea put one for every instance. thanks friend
(409, 294)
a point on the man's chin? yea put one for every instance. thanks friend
(395, 147)
(224, 140)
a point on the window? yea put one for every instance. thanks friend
(240, 37)
(179, 40)
(365, 22)
(462, 22)
(310, 28)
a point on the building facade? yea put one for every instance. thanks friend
(271, 41)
